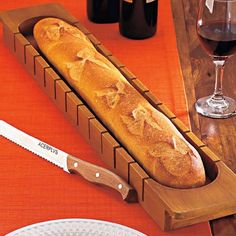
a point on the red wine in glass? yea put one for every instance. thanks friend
(216, 29)
(217, 38)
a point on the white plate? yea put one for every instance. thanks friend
(75, 227)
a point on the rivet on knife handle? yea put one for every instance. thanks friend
(99, 175)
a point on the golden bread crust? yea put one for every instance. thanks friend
(145, 132)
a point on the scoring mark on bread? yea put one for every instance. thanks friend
(171, 159)
(58, 28)
(136, 121)
(85, 55)
(112, 94)
(54, 31)
(175, 166)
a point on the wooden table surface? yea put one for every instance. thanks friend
(198, 72)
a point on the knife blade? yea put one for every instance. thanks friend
(67, 162)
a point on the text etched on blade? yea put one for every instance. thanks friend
(48, 147)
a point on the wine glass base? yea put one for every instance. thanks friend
(202, 106)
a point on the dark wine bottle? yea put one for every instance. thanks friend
(103, 11)
(138, 18)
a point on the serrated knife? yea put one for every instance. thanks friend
(67, 162)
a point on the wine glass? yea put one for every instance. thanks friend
(216, 29)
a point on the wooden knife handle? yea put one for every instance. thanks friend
(99, 175)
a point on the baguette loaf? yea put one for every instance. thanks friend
(145, 132)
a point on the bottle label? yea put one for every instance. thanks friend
(210, 5)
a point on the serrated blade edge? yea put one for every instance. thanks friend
(36, 146)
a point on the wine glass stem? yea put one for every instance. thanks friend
(219, 73)
(217, 101)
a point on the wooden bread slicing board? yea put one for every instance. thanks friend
(170, 208)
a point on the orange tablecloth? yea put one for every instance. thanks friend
(32, 190)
